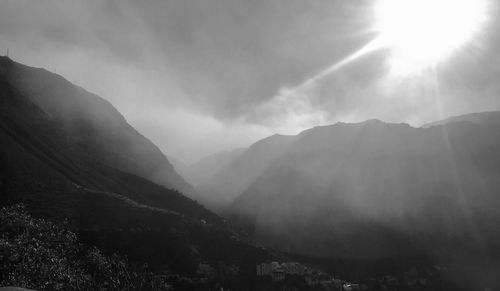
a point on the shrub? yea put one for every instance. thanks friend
(39, 254)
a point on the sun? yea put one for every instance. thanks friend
(421, 33)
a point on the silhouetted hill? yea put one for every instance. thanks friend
(76, 160)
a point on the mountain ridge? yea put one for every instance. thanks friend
(379, 173)
(484, 117)
(94, 123)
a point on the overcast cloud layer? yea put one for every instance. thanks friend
(199, 76)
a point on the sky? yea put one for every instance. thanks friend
(202, 76)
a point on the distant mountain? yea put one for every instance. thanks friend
(68, 154)
(204, 170)
(482, 118)
(236, 173)
(180, 167)
(374, 190)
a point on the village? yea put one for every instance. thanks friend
(285, 276)
(277, 272)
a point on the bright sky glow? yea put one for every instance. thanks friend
(420, 33)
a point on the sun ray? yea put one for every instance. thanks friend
(368, 48)
(451, 156)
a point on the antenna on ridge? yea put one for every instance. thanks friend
(7, 53)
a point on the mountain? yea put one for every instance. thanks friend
(69, 155)
(235, 176)
(203, 171)
(375, 191)
(482, 118)
(179, 167)
(94, 124)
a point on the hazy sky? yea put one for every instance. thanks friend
(199, 76)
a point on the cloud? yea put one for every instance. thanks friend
(290, 111)
(225, 73)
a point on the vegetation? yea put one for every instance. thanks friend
(39, 254)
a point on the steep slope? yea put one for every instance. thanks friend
(237, 175)
(94, 124)
(375, 191)
(56, 175)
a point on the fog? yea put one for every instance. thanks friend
(224, 74)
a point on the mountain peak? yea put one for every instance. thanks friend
(5, 59)
(5, 64)
(371, 121)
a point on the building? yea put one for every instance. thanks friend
(278, 274)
